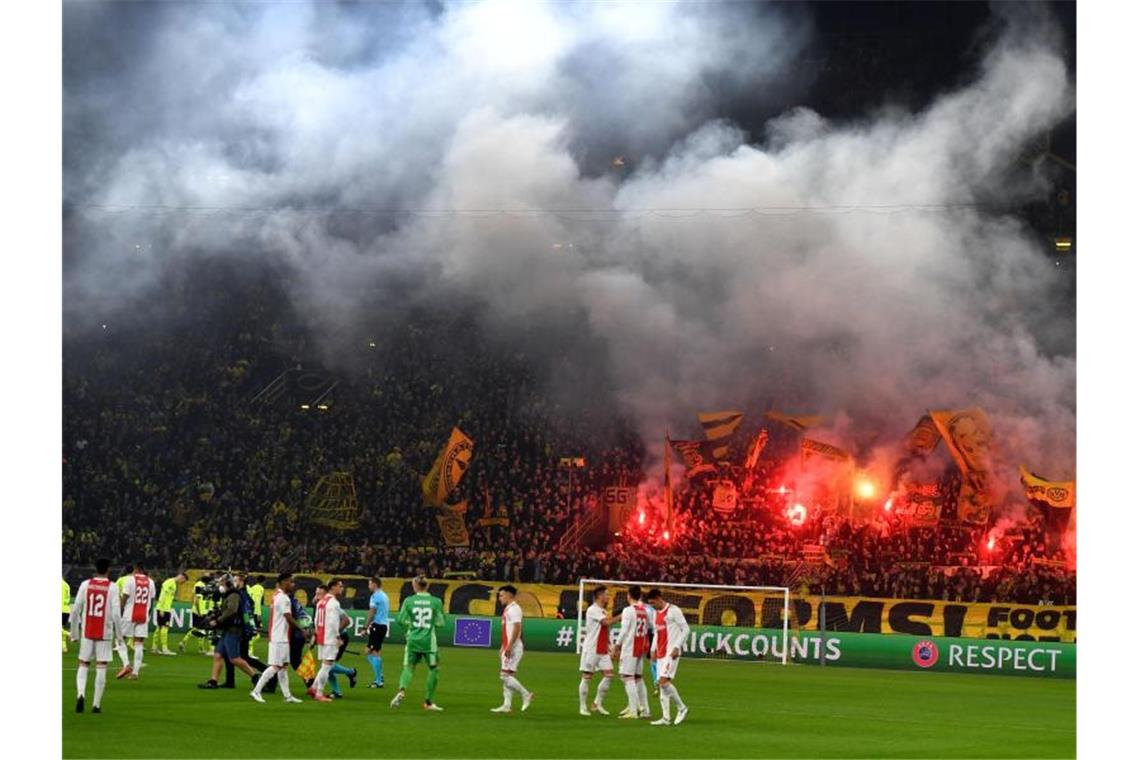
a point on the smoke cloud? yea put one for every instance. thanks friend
(871, 314)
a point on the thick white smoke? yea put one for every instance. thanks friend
(874, 313)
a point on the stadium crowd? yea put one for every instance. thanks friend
(174, 456)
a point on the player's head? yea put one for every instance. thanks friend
(419, 583)
(634, 593)
(601, 596)
(655, 599)
(319, 592)
(138, 567)
(181, 577)
(128, 569)
(373, 583)
(102, 566)
(507, 594)
(336, 587)
(285, 582)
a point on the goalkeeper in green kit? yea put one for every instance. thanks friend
(420, 615)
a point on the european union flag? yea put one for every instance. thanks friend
(472, 632)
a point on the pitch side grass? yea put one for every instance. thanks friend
(735, 710)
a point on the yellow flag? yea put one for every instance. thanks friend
(799, 422)
(967, 433)
(923, 438)
(452, 528)
(445, 474)
(1059, 494)
(308, 667)
(810, 447)
(719, 427)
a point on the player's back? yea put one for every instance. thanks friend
(421, 614)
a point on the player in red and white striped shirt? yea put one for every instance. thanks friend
(137, 600)
(328, 624)
(633, 644)
(672, 630)
(95, 617)
(511, 650)
(596, 653)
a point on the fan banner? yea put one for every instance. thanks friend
(924, 438)
(799, 422)
(724, 497)
(853, 614)
(1057, 494)
(698, 456)
(719, 427)
(448, 469)
(452, 528)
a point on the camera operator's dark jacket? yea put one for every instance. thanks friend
(229, 613)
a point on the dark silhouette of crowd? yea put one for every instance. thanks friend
(175, 455)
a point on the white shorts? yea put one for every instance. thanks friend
(279, 653)
(632, 666)
(99, 651)
(667, 667)
(510, 659)
(592, 662)
(134, 630)
(327, 652)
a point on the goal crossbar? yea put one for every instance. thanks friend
(711, 587)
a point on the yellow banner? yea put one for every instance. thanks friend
(1059, 494)
(923, 438)
(800, 422)
(452, 528)
(968, 433)
(448, 469)
(810, 448)
(917, 617)
(718, 427)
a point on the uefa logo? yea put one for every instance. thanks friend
(925, 653)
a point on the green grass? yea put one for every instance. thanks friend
(736, 710)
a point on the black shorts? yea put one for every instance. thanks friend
(163, 619)
(66, 620)
(376, 635)
(197, 622)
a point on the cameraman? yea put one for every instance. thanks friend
(229, 621)
(249, 630)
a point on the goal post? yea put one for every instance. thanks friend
(709, 608)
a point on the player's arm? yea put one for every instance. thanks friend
(683, 627)
(344, 620)
(76, 617)
(371, 614)
(116, 616)
(404, 616)
(440, 618)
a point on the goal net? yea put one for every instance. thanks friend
(727, 622)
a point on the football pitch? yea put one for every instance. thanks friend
(735, 710)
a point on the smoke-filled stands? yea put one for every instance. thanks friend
(176, 454)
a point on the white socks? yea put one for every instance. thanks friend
(665, 713)
(322, 678)
(121, 650)
(81, 680)
(603, 688)
(583, 692)
(267, 675)
(139, 649)
(642, 695)
(511, 684)
(631, 693)
(671, 691)
(283, 682)
(100, 684)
